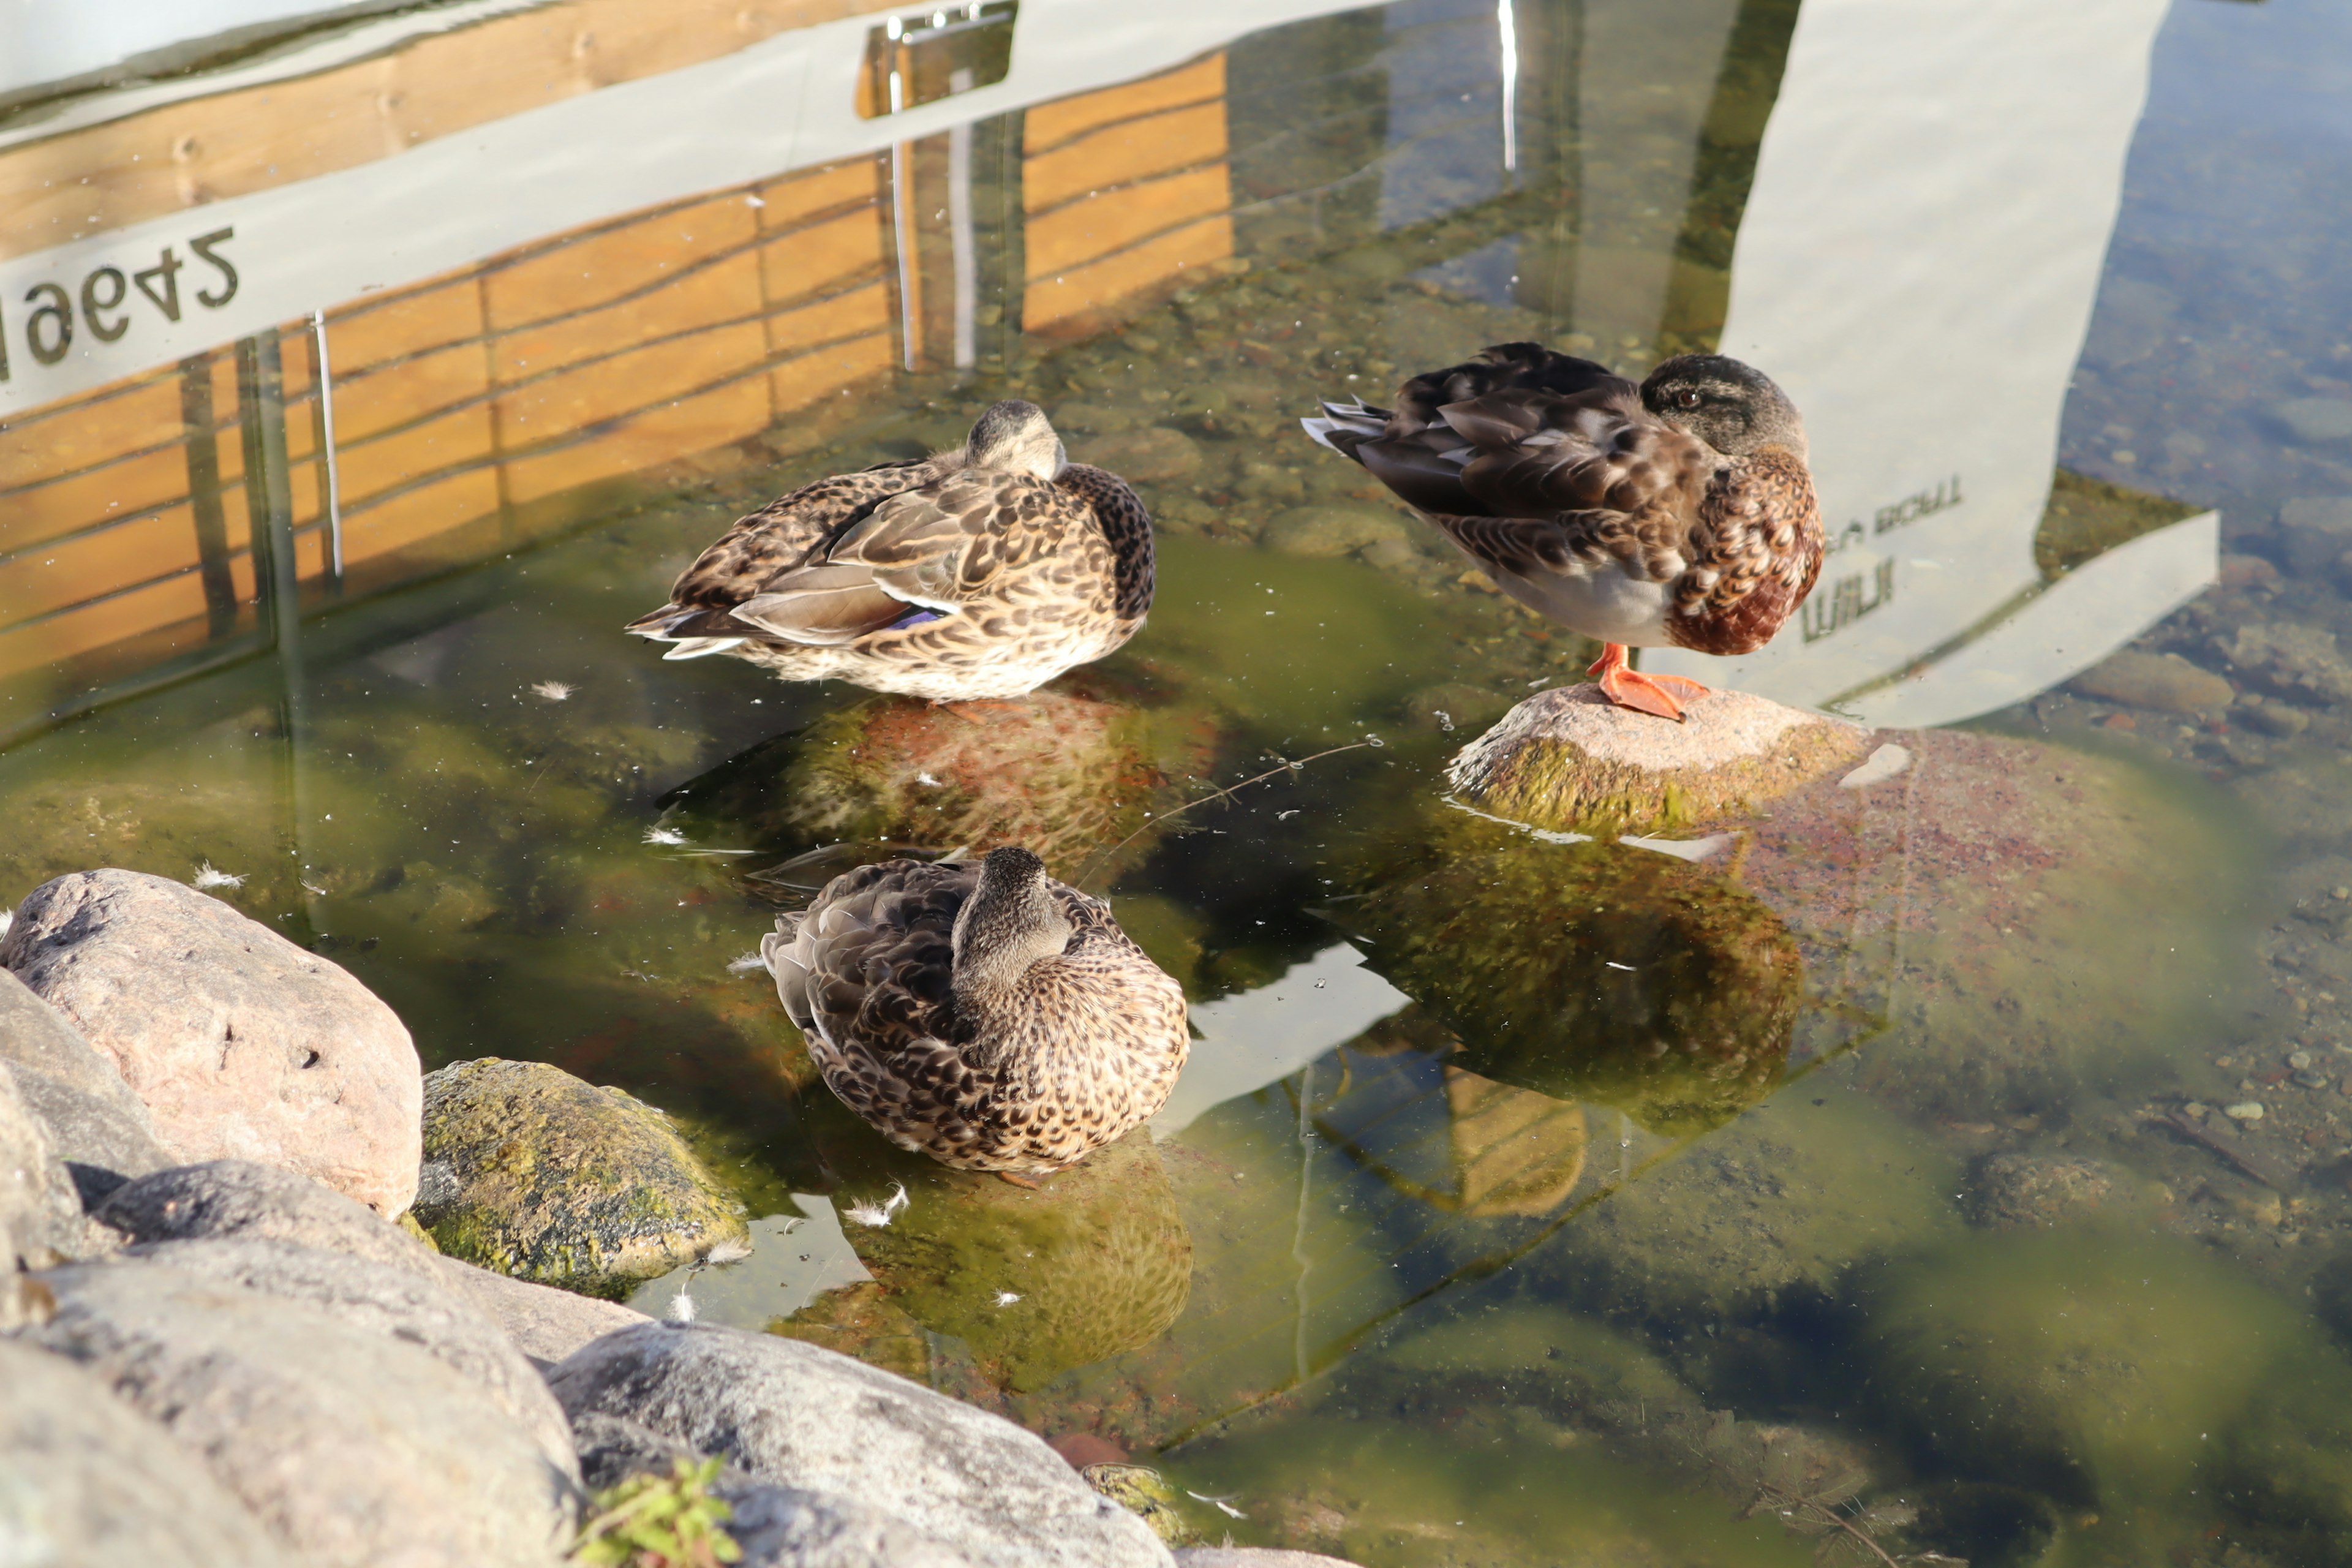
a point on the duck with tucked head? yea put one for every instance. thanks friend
(1677, 513)
(984, 1014)
(983, 572)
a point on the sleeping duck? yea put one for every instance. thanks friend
(983, 1014)
(1678, 513)
(982, 571)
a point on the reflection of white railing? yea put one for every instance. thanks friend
(787, 103)
(1917, 263)
(1247, 1041)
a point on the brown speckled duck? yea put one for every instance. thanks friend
(981, 573)
(983, 1014)
(1677, 513)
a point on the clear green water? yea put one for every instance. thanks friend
(1890, 1208)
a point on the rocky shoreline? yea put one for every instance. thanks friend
(247, 1318)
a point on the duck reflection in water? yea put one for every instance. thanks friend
(1593, 973)
(983, 572)
(984, 1014)
(1677, 513)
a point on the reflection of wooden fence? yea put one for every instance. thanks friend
(467, 403)
(1125, 190)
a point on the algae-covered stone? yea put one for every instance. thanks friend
(1569, 759)
(533, 1173)
(1094, 1263)
(1586, 972)
(2134, 1377)
(1333, 529)
(1784, 1202)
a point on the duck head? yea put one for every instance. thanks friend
(1010, 923)
(1733, 408)
(1014, 438)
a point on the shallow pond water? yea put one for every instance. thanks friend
(1963, 1173)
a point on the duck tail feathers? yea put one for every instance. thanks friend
(1344, 426)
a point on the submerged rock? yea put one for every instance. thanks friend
(2164, 681)
(538, 1176)
(1569, 759)
(1323, 530)
(92, 1484)
(1782, 1204)
(2008, 1191)
(1094, 1263)
(241, 1044)
(95, 1124)
(793, 1415)
(351, 1447)
(1147, 457)
(1586, 972)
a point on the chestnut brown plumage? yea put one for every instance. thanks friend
(1678, 512)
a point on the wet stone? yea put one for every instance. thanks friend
(2319, 529)
(1142, 457)
(533, 1173)
(2164, 681)
(1327, 530)
(2314, 419)
(1569, 759)
(2008, 1191)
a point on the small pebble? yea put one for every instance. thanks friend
(2298, 1059)
(2311, 1080)
(2196, 1109)
(2244, 1111)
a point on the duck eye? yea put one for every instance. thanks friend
(1687, 399)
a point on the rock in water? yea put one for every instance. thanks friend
(2164, 681)
(241, 1043)
(350, 1445)
(534, 1173)
(795, 1415)
(1569, 759)
(93, 1485)
(96, 1125)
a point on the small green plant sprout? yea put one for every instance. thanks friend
(659, 1521)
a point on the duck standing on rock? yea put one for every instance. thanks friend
(983, 1014)
(1677, 513)
(982, 571)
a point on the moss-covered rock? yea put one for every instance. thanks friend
(533, 1173)
(2143, 1381)
(1585, 971)
(1569, 760)
(1782, 1204)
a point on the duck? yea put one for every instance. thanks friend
(983, 1014)
(980, 572)
(1678, 512)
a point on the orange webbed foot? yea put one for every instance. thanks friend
(1030, 1183)
(1662, 695)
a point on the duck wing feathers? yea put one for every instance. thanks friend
(775, 539)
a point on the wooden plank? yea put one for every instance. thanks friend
(847, 315)
(1050, 124)
(813, 378)
(199, 149)
(660, 434)
(91, 430)
(597, 267)
(822, 255)
(145, 609)
(1070, 299)
(417, 321)
(138, 551)
(622, 385)
(793, 199)
(725, 290)
(1121, 155)
(379, 528)
(1074, 236)
(85, 500)
(371, 469)
(371, 402)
